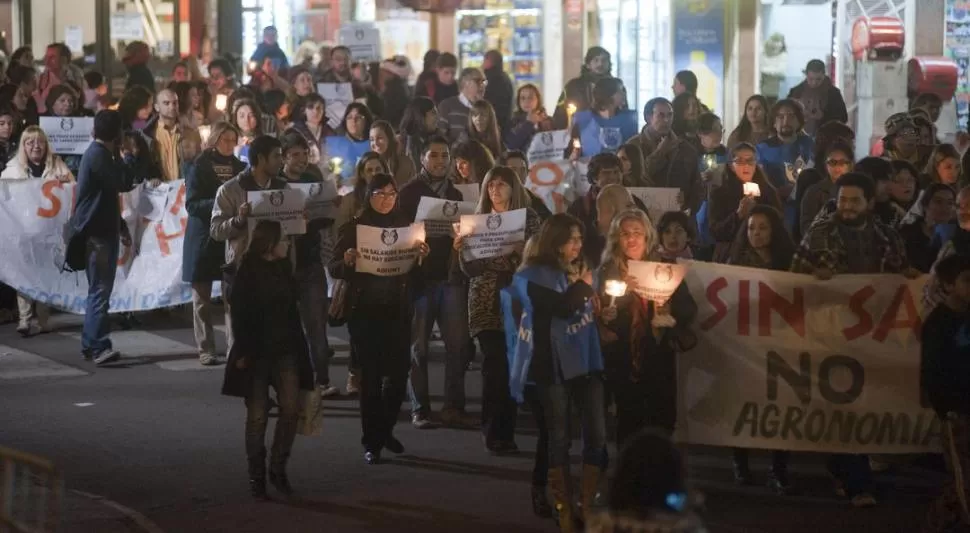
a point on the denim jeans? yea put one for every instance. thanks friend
(282, 372)
(448, 304)
(314, 315)
(101, 268)
(586, 392)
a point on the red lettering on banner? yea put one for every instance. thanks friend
(857, 305)
(890, 320)
(125, 255)
(163, 237)
(720, 307)
(179, 200)
(744, 308)
(792, 312)
(47, 192)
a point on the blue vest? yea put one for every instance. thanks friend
(348, 151)
(598, 134)
(575, 340)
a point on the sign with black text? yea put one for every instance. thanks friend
(493, 235)
(388, 251)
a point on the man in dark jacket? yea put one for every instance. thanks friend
(822, 101)
(441, 299)
(669, 161)
(441, 86)
(96, 218)
(339, 71)
(453, 112)
(270, 48)
(499, 92)
(579, 91)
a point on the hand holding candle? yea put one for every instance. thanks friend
(204, 132)
(221, 101)
(752, 189)
(615, 288)
(570, 111)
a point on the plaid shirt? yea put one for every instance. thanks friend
(824, 247)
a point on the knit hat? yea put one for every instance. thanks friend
(400, 66)
(901, 126)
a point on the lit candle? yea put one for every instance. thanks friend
(615, 288)
(570, 111)
(710, 161)
(752, 189)
(335, 163)
(578, 147)
(252, 66)
(204, 132)
(221, 101)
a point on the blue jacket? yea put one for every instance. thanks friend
(101, 178)
(773, 154)
(575, 340)
(272, 51)
(348, 151)
(598, 134)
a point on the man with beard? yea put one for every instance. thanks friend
(339, 71)
(669, 161)
(786, 153)
(579, 91)
(443, 298)
(852, 241)
(821, 100)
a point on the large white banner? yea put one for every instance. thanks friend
(788, 362)
(34, 213)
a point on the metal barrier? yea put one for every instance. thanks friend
(31, 490)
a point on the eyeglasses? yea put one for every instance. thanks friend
(384, 195)
(744, 162)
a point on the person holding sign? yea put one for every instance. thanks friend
(640, 336)
(62, 102)
(351, 140)
(271, 352)
(379, 315)
(558, 349)
(487, 277)
(731, 203)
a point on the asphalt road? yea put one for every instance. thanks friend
(154, 447)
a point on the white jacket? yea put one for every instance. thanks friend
(55, 169)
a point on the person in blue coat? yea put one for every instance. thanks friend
(203, 256)
(606, 126)
(558, 349)
(787, 152)
(351, 141)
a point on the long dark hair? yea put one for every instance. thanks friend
(745, 128)
(477, 154)
(782, 247)
(360, 183)
(768, 190)
(181, 89)
(554, 234)
(393, 146)
(491, 137)
(413, 121)
(681, 125)
(364, 111)
(266, 235)
(377, 183)
(134, 100)
(637, 166)
(527, 87)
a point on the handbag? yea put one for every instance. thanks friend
(338, 303)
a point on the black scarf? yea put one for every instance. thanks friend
(37, 170)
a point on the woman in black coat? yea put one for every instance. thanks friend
(269, 350)
(202, 256)
(379, 319)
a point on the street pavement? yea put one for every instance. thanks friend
(149, 445)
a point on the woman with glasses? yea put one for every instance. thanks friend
(379, 319)
(351, 141)
(837, 160)
(731, 203)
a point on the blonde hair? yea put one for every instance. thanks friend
(218, 130)
(614, 197)
(612, 252)
(34, 132)
(519, 199)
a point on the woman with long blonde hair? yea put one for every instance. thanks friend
(35, 159)
(502, 192)
(639, 336)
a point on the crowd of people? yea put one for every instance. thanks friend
(787, 192)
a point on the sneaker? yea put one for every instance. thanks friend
(209, 359)
(328, 391)
(107, 356)
(864, 499)
(421, 421)
(353, 383)
(457, 419)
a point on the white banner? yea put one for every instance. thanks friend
(34, 213)
(285, 206)
(656, 281)
(548, 146)
(68, 135)
(788, 362)
(658, 200)
(493, 235)
(440, 216)
(558, 183)
(320, 199)
(152, 201)
(388, 251)
(337, 96)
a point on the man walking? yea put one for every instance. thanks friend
(106, 170)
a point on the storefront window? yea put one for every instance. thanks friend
(512, 28)
(787, 47)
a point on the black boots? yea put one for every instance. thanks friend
(277, 476)
(257, 475)
(540, 502)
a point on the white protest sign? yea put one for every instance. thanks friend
(363, 40)
(787, 362)
(74, 39)
(558, 183)
(439, 216)
(152, 201)
(337, 96)
(285, 206)
(388, 251)
(656, 281)
(68, 135)
(320, 198)
(127, 26)
(548, 146)
(493, 235)
(658, 200)
(469, 191)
